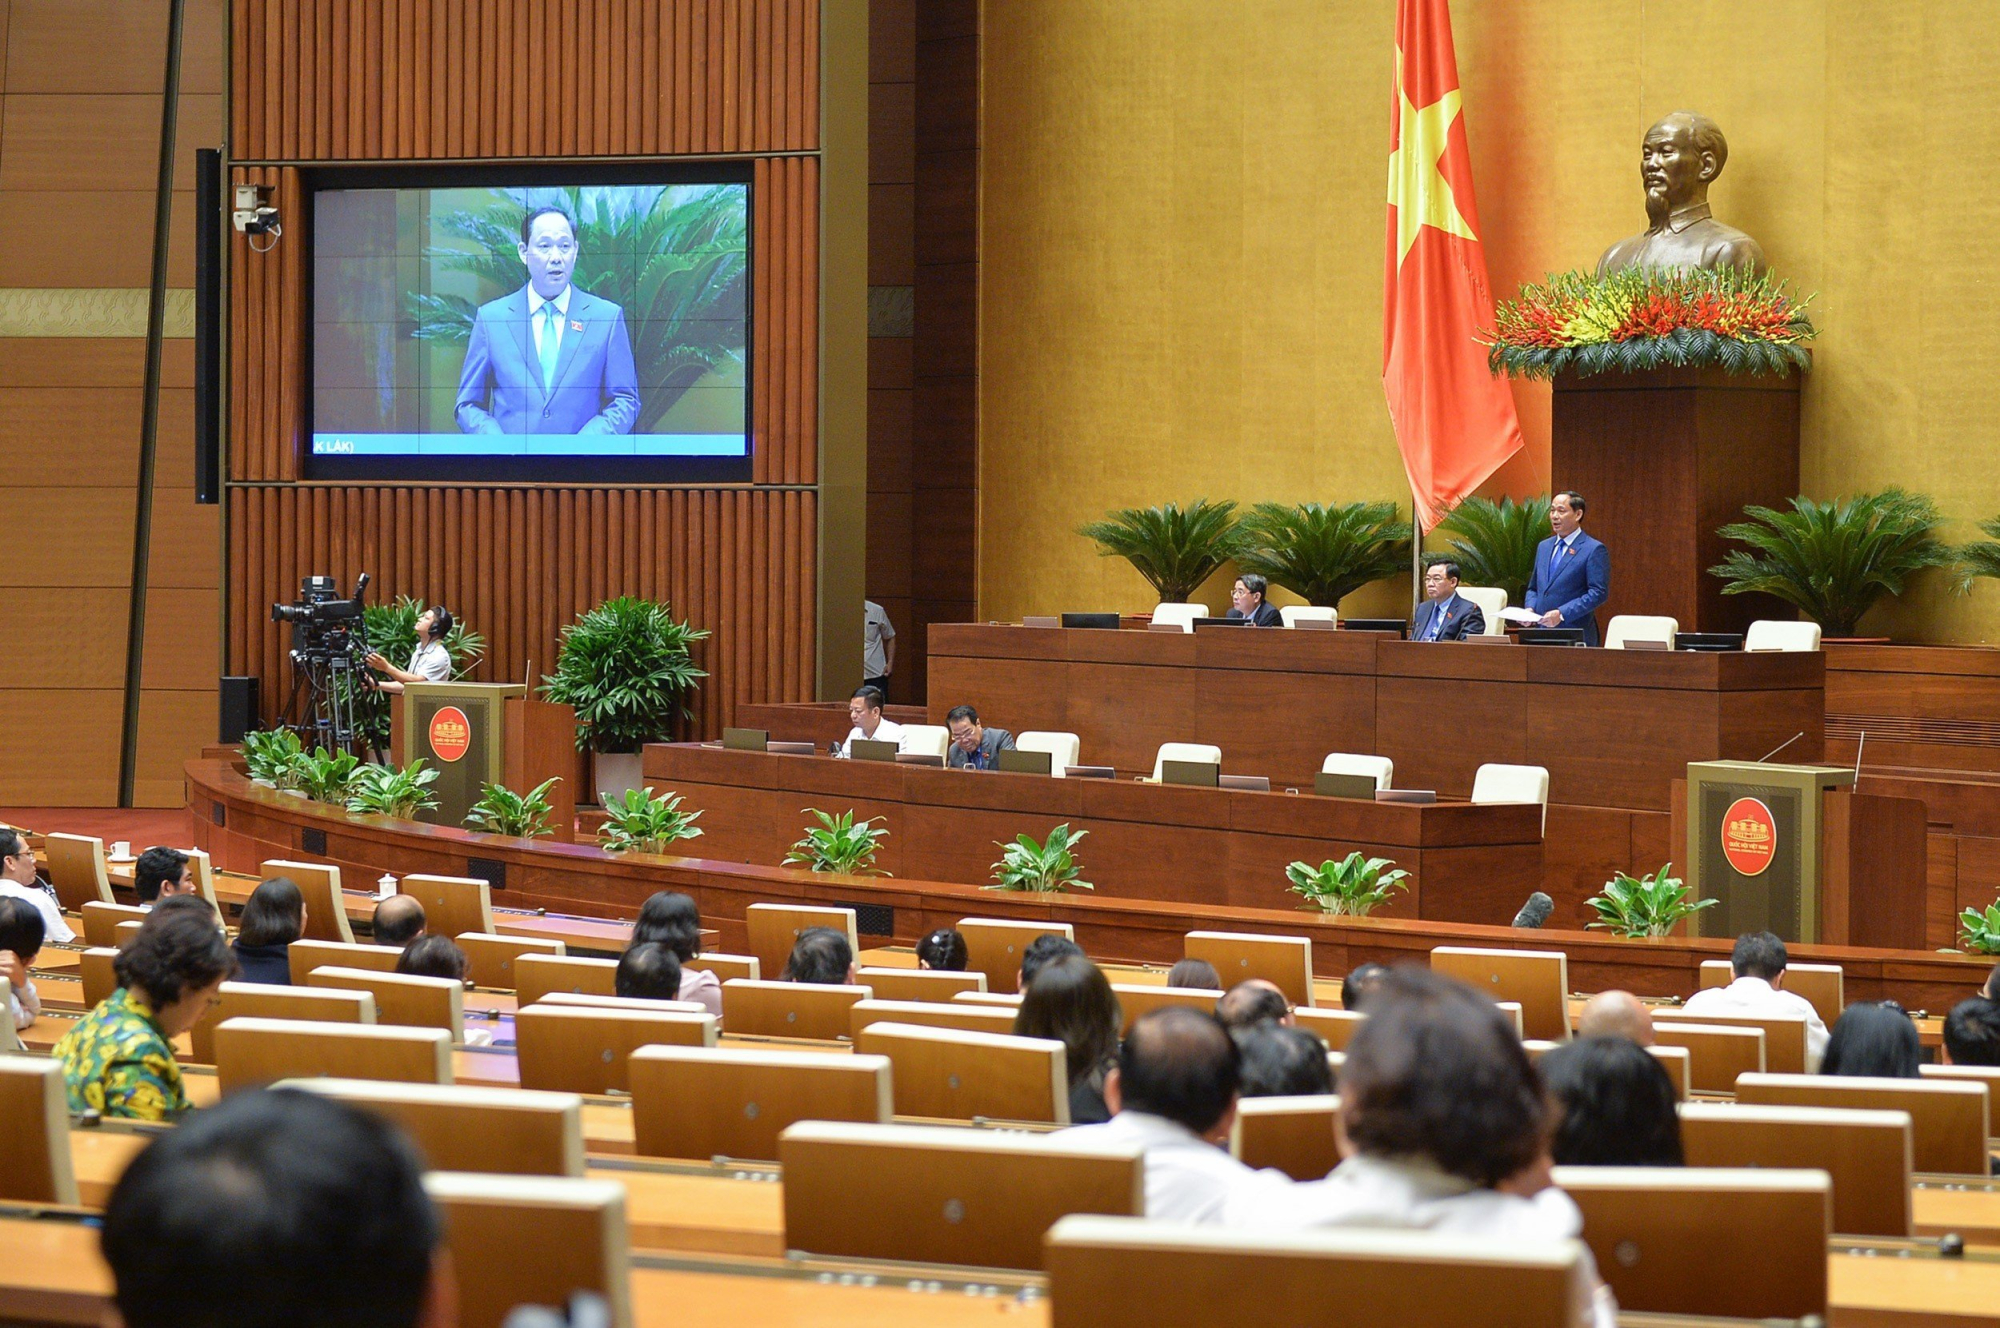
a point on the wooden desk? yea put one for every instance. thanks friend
(1147, 841)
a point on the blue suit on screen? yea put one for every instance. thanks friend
(596, 388)
(1578, 585)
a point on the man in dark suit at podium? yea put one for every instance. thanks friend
(1572, 576)
(1443, 616)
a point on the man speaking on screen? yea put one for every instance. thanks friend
(548, 358)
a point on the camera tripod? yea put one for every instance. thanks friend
(327, 674)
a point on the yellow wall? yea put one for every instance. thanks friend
(1182, 215)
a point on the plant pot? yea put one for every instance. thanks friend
(613, 774)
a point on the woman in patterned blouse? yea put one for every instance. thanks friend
(119, 1059)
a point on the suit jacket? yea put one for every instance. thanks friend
(596, 389)
(991, 745)
(1578, 587)
(1265, 616)
(1463, 619)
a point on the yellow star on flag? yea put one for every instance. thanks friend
(1420, 194)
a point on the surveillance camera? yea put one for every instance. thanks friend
(254, 215)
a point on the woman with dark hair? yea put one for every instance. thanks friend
(821, 955)
(119, 1059)
(1619, 1108)
(671, 919)
(1069, 1001)
(273, 917)
(433, 957)
(943, 951)
(1873, 1038)
(21, 935)
(1196, 973)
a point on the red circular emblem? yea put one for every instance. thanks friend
(1749, 836)
(451, 734)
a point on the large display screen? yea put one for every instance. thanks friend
(523, 331)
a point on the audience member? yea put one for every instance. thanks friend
(1071, 1002)
(671, 919)
(1991, 991)
(864, 711)
(648, 971)
(974, 746)
(1357, 985)
(21, 933)
(1758, 964)
(942, 951)
(398, 920)
(1873, 1039)
(119, 1059)
(1044, 949)
(823, 955)
(161, 873)
(1196, 973)
(1971, 1031)
(273, 917)
(1253, 1001)
(1616, 1014)
(1619, 1107)
(19, 880)
(434, 957)
(277, 1207)
(1281, 1062)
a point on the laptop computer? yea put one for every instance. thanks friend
(1040, 620)
(1024, 763)
(1244, 783)
(1201, 774)
(1090, 772)
(1099, 620)
(919, 758)
(1317, 625)
(746, 740)
(790, 748)
(868, 749)
(1714, 642)
(1550, 636)
(1423, 796)
(1203, 624)
(1344, 786)
(1396, 625)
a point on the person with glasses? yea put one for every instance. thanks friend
(1443, 616)
(19, 881)
(548, 358)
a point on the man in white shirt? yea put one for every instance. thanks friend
(1173, 1094)
(1758, 963)
(878, 647)
(17, 878)
(864, 711)
(430, 662)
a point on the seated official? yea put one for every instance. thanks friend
(1758, 963)
(1971, 1032)
(1247, 600)
(119, 1059)
(1281, 1062)
(1873, 1040)
(273, 917)
(398, 920)
(820, 955)
(864, 711)
(974, 746)
(21, 933)
(1616, 1014)
(19, 880)
(430, 661)
(161, 873)
(1619, 1106)
(648, 971)
(1572, 574)
(1254, 1001)
(1071, 1002)
(671, 919)
(1444, 616)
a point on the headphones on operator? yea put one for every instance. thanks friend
(441, 622)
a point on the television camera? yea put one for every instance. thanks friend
(329, 661)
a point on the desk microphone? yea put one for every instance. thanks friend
(1536, 911)
(1779, 748)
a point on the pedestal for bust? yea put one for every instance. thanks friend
(1664, 458)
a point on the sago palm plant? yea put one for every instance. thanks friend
(1175, 548)
(1494, 543)
(1324, 553)
(1833, 561)
(1980, 558)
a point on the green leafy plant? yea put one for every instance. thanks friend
(1979, 558)
(1175, 548)
(642, 823)
(1494, 544)
(1834, 560)
(501, 811)
(1353, 887)
(1980, 932)
(275, 756)
(1641, 906)
(1047, 868)
(837, 844)
(327, 776)
(392, 631)
(626, 668)
(384, 790)
(1324, 553)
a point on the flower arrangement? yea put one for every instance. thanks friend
(1648, 318)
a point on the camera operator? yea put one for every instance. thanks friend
(431, 662)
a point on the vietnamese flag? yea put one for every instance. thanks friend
(1454, 420)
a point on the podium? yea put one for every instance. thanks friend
(478, 733)
(1792, 849)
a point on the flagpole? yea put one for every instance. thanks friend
(1416, 556)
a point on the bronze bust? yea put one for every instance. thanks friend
(1681, 156)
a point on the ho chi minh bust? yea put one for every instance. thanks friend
(1680, 158)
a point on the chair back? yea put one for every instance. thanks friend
(1012, 1000)
(1490, 599)
(77, 870)
(1291, 615)
(1625, 629)
(326, 909)
(536, 975)
(1784, 1035)
(1169, 614)
(1761, 1234)
(1378, 768)
(35, 1163)
(1948, 1117)
(492, 957)
(1718, 1054)
(727, 966)
(453, 905)
(261, 1000)
(1293, 1134)
(954, 1075)
(125, 930)
(533, 1240)
(1336, 1028)
(303, 956)
(1136, 999)
(1200, 753)
(707, 1102)
(402, 998)
(1868, 1154)
(918, 984)
(774, 928)
(820, 1010)
(94, 969)
(251, 1051)
(10, 1037)
(583, 1049)
(1775, 634)
(512, 1131)
(1064, 749)
(925, 740)
(100, 921)
(931, 1014)
(1495, 782)
(940, 1195)
(1538, 979)
(994, 946)
(1823, 985)
(1674, 1060)
(591, 1000)
(203, 873)
(1285, 961)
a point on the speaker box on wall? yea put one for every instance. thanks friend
(239, 708)
(208, 235)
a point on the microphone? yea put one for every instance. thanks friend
(1536, 911)
(1779, 748)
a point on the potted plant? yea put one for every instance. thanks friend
(625, 667)
(1494, 544)
(1639, 907)
(1174, 548)
(1048, 868)
(384, 790)
(1833, 561)
(1980, 932)
(1352, 887)
(638, 822)
(501, 811)
(392, 629)
(837, 844)
(1979, 558)
(275, 758)
(328, 776)
(1321, 553)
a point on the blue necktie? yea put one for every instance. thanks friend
(1437, 623)
(551, 331)
(1556, 556)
